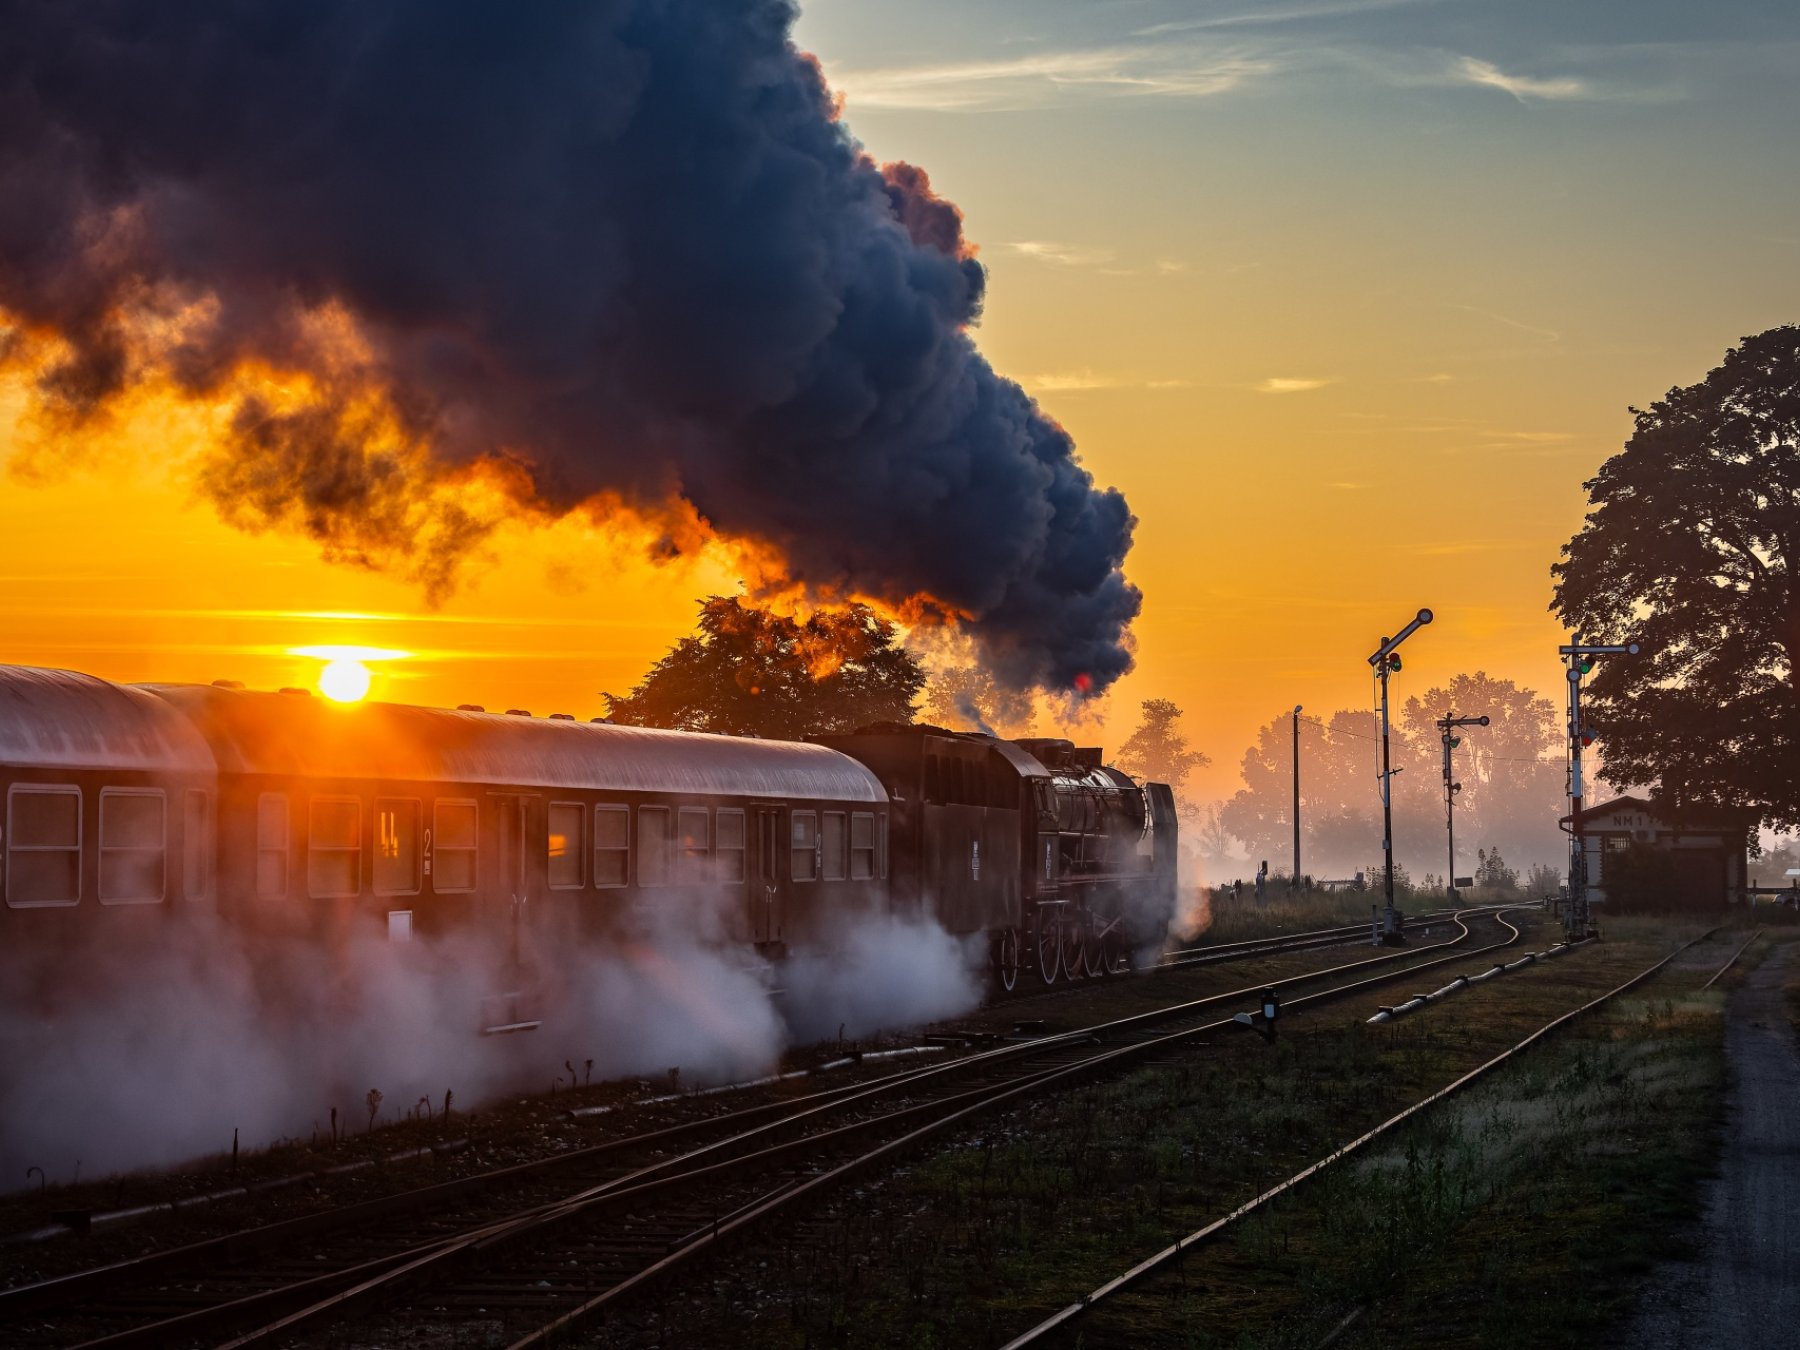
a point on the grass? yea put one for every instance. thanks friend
(1599, 1132)
(1523, 1213)
(1229, 919)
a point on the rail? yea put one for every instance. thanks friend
(1037, 1334)
(757, 1128)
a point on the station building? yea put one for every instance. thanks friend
(1707, 853)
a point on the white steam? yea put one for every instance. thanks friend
(882, 973)
(158, 1055)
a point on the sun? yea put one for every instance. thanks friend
(346, 677)
(344, 680)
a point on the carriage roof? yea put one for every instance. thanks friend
(292, 734)
(58, 719)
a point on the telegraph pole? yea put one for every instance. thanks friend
(1386, 660)
(1446, 725)
(1297, 712)
(1580, 657)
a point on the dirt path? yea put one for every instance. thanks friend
(1743, 1289)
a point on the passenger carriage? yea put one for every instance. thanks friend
(535, 834)
(107, 829)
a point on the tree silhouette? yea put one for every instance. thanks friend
(1511, 771)
(1157, 751)
(753, 673)
(1510, 777)
(969, 698)
(1690, 549)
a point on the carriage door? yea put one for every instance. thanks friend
(768, 886)
(514, 888)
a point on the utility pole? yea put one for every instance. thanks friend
(1446, 725)
(1580, 657)
(1297, 712)
(1386, 660)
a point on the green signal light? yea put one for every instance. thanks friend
(1455, 741)
(1587, 664)
(1393, 660)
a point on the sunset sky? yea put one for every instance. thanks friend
(1347, 297)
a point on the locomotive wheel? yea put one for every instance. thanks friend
(1117, 955)
(1094, 962)
(1073, 940)
(1049, 950)
(1005, 956)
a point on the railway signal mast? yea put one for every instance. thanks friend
(1446, 725)
(1580, 657)
(1386, 661)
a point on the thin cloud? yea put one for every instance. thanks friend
(1534, 437)
(1041, 78)
(1073, 381)
(1524, 88)
(1327, 9)
(1288, 384)
(1547, 334)
(1080, 381)
(1063, 255)
(1459, 547)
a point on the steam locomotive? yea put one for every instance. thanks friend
(133, 808)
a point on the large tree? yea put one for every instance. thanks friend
(750, 672)
(1690, 549)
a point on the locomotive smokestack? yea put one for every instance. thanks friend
(619, 254)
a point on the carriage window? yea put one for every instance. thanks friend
(862, 846)
(43, 846)
(831, 845)
(196, 837)
(806, 845)
(696, 850)
(454, 836)
(612, 845)
(271, 845)
(653, 846)
(728, 851)
(334, 846)
(133, 845)
(565, 845)
(396, 846)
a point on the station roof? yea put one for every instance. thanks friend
(57, 719)
(293, 734)
(1596, 819)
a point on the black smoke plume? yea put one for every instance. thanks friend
(624, 247)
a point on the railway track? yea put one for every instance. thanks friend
(1210, 954)
(1058, 1328)
(1343, 935)
(536, 1248)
